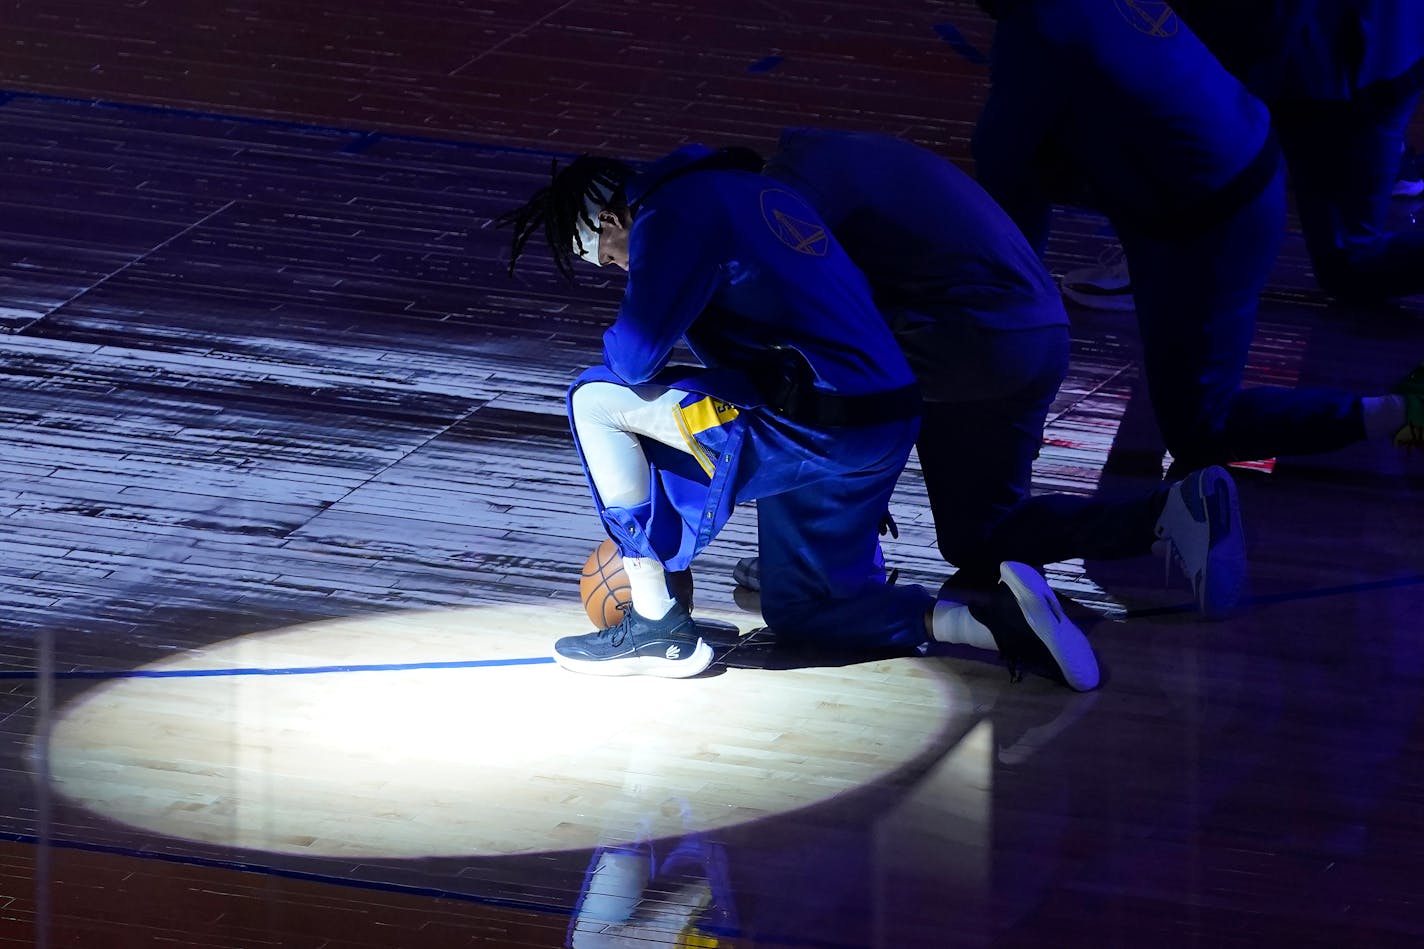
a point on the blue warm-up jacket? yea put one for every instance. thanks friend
(740, 268)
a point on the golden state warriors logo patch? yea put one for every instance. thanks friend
(1149, 16)
(793, 223)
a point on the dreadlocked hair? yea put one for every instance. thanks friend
(558, 207)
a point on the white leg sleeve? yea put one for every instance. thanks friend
(608, 419)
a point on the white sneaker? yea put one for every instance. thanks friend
(1106, 286)
(1042, 627)
(1201, 526)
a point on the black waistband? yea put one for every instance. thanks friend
(811, 406)
(1183, 220)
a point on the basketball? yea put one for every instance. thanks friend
(604, 588)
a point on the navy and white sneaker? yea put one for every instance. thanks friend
(1030, 628)
(747, 573)
(1106, 286)
(1201, 526)
(669, 647)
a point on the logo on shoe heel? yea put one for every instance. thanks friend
(674, 652)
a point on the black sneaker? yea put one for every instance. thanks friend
(669, 647)
(1030, 629)
(747, 574)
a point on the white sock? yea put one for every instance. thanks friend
(1383, 415)
(648, 586)
(951, 622)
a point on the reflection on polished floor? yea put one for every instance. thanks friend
(289, 515)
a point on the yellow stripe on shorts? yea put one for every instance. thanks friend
(698, 417)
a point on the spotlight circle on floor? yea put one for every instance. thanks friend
(448, 732)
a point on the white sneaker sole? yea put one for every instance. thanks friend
(1219, 586)
(1118, 301)
(1064, 640)
(681, 668)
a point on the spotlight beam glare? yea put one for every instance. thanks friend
(448, 732)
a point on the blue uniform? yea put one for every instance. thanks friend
(805, 403)
(982, 324)
(1122, 98)
(1315, 50)
(929, 239)
(1342, 78)
(1127, 101)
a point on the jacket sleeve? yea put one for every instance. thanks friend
(672, 274)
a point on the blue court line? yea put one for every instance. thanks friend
(363, 142)
(304, 875)
(951, 35)
(1397, 583)
(765, 64)
(290, 671)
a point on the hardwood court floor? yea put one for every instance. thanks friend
(289, 514)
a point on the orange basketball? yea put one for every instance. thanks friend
(604, 588)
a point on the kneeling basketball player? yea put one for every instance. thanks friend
(802, 402)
